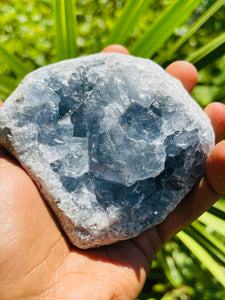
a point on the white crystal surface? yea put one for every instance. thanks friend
(112, 141)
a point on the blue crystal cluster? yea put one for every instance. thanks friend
(113, 142)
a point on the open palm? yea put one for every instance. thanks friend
(36, 260)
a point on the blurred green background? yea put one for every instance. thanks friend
(36, 33)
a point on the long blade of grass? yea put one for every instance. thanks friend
(201, 20)
(65, 29)
(127, 21)
(71, 25)
(206, 244)
(220, 204)
(204, 51)
(214, 222)
(217, 212)
(15, 65)
(161, 30)
(211, 57)
(203, 256)
(208, 236)
(60, 30)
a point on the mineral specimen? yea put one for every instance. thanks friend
(112, 141)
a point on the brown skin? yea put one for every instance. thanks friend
(37, 262)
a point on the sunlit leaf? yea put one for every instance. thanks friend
(215, 47)
(192, 29)
(127, 21)
(208, 241)
(220, 204)
(65, 29)
(4, 92)
(14, 64)
(203, 256)
(163, 28)
(169, 268)
(213, 221)
(8, 82)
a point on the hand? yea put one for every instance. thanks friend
(36, 261)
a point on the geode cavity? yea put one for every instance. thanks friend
(112, 141)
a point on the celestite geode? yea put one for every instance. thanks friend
(112, 141)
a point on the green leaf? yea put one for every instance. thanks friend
(13, 63)
(7, 85)
(210, 238)
(203, 256)
(216, 223)
(217, 212)
(169, 268)
(200, 235)
(71, 28)
(201, 20)
(208, 49)
(220, 204)
(220, 96)
(8, 82)
(60, 30)
(65, 29)
(127, 21)
(4, 93)
(162, 29)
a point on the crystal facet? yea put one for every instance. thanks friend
(112, 141)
